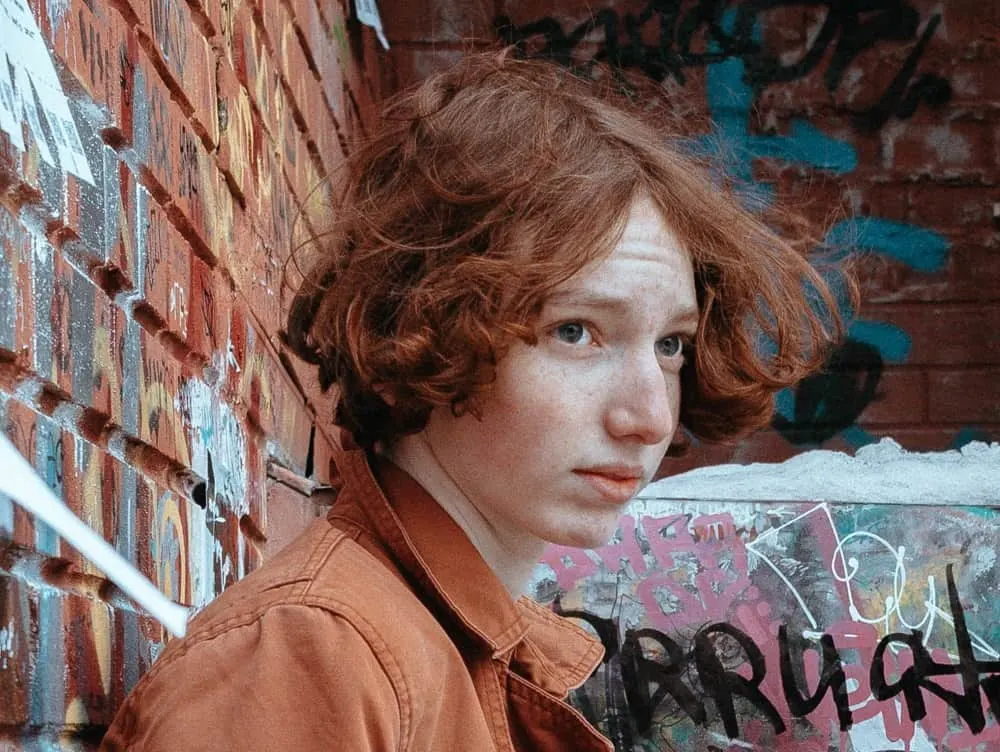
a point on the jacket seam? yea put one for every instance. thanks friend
(382, 653)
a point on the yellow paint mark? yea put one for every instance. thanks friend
(100, 625)
(169, 514)
(76, 713)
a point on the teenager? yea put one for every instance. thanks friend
(527, 291)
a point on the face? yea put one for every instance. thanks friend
(577, 424)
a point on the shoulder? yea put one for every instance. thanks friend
(325, 625)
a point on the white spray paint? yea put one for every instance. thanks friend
(6, 644)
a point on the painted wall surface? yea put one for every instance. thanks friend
(153, 157)
(803, 627)
(876, 118)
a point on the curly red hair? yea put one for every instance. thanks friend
(486, 187)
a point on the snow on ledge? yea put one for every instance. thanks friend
(882, 473)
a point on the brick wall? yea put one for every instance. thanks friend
(881, 125)
(140, 301)
(140, 368)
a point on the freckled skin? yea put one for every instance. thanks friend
(601, 387)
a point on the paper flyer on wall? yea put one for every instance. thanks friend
(27, 73)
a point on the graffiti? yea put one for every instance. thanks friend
(781, 625)
(721, 682)
(849, 29)
(829, 402)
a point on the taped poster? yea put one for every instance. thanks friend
(30, 89)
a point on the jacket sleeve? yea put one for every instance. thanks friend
(296, 678)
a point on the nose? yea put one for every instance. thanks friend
(644, 401)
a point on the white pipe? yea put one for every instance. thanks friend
(19, 481)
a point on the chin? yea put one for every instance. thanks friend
(583, 535)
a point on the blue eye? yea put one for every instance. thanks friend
(573, 333)
(670, 347)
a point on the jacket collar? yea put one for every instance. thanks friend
(434, 554)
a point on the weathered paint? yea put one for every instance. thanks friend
(854, 572)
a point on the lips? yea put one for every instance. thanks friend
(616, 484)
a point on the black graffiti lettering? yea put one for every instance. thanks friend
(648, 682)
(722, 685)
(901, 98)
(850, 28)
(830, 401)
(909, 681)
(831, 679)
(968, 703)
(607, 629)
(638, 672)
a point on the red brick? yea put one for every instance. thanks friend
(901, 397)
(132, 214)
(155, 131)
(196, 191)
(964, 146)
(325, 447)
(222, 237)
(208, 313)
(159, 382)
(410, 65)
(184, 57)
(973, 83)
(56, 347)
(946, 207)
(273, 401)
(945, 334)
(174, 163)
(240, 136)
(19, 650)
(19, 425)
(332, 51)
(964, 21)
(885, 200)
(167, 272)
(965, 396)
(428, 21)
(976, 269)
(932, 438)
(256, 276)
(289, 513)
(97, 46)
(273, 209)
(884, 280)
(255, 68)
(99, 389)
(296, 162)
(300, 81)
(16, 244)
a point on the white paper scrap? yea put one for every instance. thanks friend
(19, 481)
(26, 70)
(368, 15)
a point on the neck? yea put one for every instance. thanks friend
(511, 554)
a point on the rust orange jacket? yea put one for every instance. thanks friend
(381, 628)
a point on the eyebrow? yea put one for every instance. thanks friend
(588, 299)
